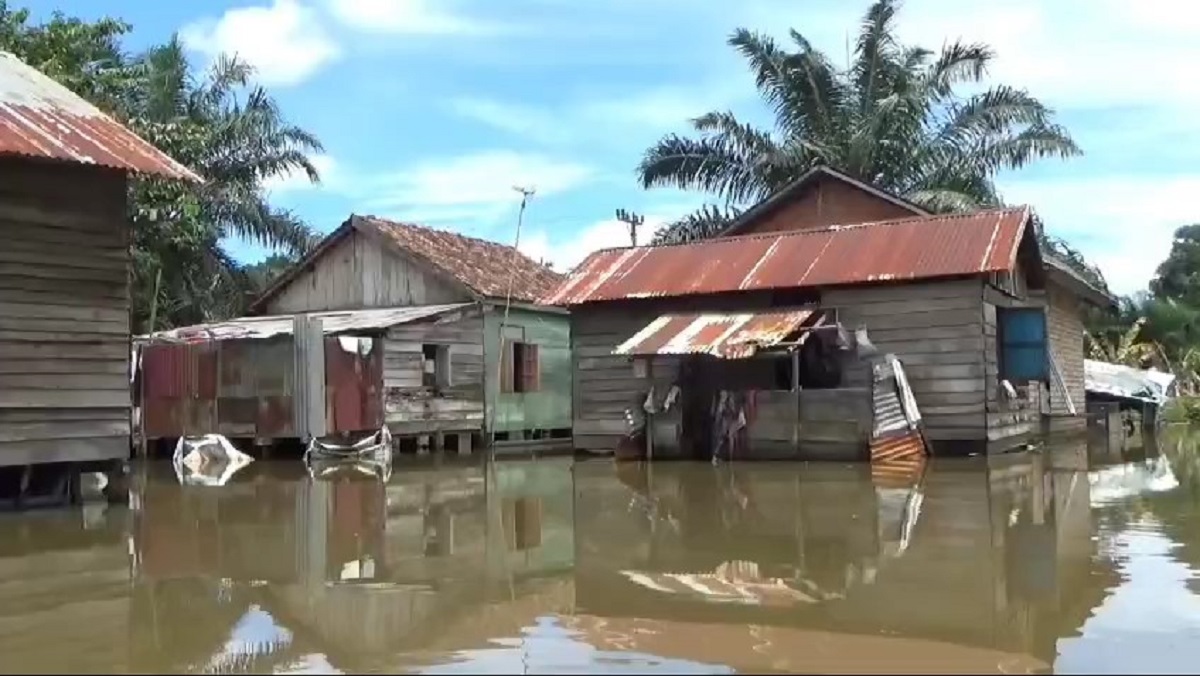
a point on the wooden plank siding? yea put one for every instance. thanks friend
(937, 331)
(549, 406)
(1064, 322)
(360, 272)
(943, 332)
(64, 299)
(605, 385)
(827, 202)
(412, 408)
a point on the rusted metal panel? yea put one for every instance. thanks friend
(244, 388)
(887, 251)
(730, 336)
(41, 118)
(274, 419)
(354, 383)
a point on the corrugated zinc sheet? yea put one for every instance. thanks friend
(731, 336)
(332, 323)
(1126, 382)
(41, 118)
(895, 250)
(353, 386)
(245, 388)
(485, 267)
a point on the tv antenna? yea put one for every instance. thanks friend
(632, 221)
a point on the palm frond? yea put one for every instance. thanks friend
(700, 224)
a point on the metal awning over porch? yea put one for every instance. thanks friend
(730, 336)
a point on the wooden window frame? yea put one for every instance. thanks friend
(439, 379)
(520, 368)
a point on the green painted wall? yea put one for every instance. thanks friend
(549, 408)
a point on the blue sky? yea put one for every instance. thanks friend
(432, 110)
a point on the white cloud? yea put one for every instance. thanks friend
(521, 120)
(285, 42)
(1122, 223)
(576, 245)
(298, 180)
(410, 17)
(635, 118)
(471, 189)
(1067, 52)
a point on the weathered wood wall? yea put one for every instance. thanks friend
(828, 202)
(603, 384)
(361, 272)
(1064, 322)
(548, 408)
(64, 300)
(943, 332)
(411, 408)
(937, 331)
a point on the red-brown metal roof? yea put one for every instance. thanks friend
(732, 336)
(485, 267)
(896, 250)
(41, 118)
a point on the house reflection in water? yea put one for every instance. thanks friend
(343, 569)
(968, 566)
(797, 571)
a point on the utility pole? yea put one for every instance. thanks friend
(632, 221)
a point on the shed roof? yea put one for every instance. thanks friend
(256, 328)
(484, 268)
(41, 118)
(729, 336)
(907, 249)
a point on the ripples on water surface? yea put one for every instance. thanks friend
(1068, 560)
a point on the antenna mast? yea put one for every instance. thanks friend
(526, 194)
(632, 221)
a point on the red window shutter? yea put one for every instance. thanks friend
(506, 365)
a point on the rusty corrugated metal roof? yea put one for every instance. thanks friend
(904, 249)
(333, 322)
(486, 267)
(731, 336)
(41, 118)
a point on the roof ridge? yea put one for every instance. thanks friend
(826, 228)
(455, 233)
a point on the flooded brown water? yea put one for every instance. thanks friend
(1069, 560)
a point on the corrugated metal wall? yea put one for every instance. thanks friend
(245, 388)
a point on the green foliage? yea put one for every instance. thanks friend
(892, 118)
(216, 122)
(1182, 410)
(1178, 277)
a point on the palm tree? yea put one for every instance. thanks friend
(235, 142)
(892, 118)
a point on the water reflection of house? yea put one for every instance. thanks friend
(64, 594)
(966, 302)
(380, 568)
(820, 548)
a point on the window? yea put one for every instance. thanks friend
(1021, 344)
(435, 363)
(520, 371)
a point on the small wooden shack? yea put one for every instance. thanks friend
(497, 365)
(64, 271)
(989, 333)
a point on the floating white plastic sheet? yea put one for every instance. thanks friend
(208, 460)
